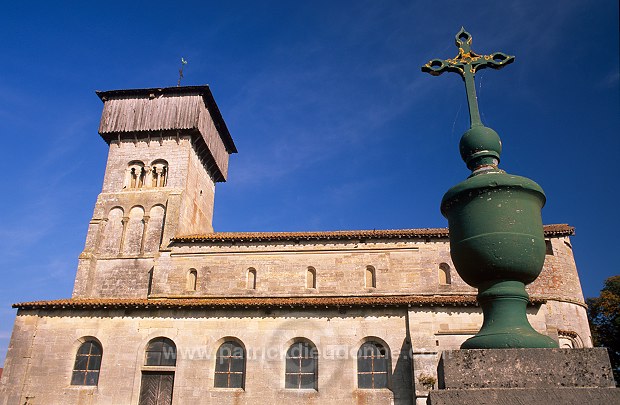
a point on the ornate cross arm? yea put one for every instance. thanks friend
(466, 64)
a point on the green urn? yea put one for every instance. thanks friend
(497, 243)
(496, 234)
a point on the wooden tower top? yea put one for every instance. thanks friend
(149, 113)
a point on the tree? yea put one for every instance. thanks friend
(604, 317)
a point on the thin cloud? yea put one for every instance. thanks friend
(327, 125)
(611, 80)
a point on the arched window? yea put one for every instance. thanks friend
(87, 364)
(251, 279)
(444, 274)
(135, 175)
(192, 277)
(311, 277)
(149, 286)
(159, 173)
(229, 365)
(301, 366)
(372, 366)
(371, 278)
(569, 340)
(161, 351)
(548, 247)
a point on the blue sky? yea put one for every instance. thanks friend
(336, 126)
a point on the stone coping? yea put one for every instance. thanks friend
(530, 396)
(524, 368)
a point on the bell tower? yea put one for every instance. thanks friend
(167, 149)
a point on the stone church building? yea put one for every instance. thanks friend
(167, 311)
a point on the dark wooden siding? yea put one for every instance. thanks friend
(209, 132)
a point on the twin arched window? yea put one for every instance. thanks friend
(301, 366)
(87, 364)
(135, 175)
(138, 175)
(159, 173)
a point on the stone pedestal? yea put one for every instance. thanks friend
(525, 376)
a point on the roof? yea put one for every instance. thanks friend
(204, 91)
(259, 302)
(422, 233)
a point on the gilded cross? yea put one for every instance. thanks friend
(466, 64)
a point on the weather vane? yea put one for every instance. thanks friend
(466, 64)
(183, 63)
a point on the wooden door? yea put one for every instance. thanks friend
(156, 388)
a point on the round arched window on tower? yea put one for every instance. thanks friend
(159, 173)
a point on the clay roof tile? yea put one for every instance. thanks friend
(421, 233)
(257, 302)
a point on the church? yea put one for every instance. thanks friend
(167, 311)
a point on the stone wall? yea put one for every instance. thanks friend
(560, 272)
(42, 353)
(44, 343)
(281, 269)
(128, 223)
(402, 267)
(198, 197)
